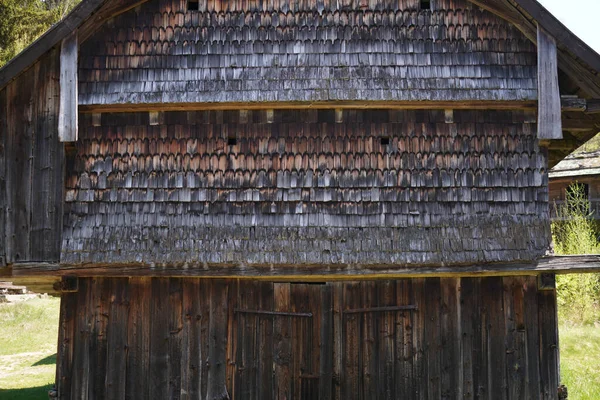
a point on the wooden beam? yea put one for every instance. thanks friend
(573, 104)
(109, 10)
(68, 114)
(549, 108)
(593, 107)
(555, 264)
(579, 125)
(402, 105)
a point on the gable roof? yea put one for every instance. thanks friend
(576, 58)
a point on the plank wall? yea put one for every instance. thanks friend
(306, 187)
(281, 51)
(31, 165)
(449, 338)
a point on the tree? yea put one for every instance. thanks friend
(23, 21)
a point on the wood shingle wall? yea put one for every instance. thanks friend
(31, 165)
(450, 338)
(238, 51)
(306, 187)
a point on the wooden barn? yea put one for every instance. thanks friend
(301, 199)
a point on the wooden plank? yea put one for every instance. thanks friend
(68, 116)
(98, 347)
(548, 344)
(232, 341)
(554, 264)
(420, 357)
(338, 339)
(352, 337)
(300, 105)
(66, 336)
(573, 104)
(3, 191)
(492, 299)
(217, 351)
(516, 356)
(580, 125)
(264, 377)
(19, 166)
(81, 358)
(386, 340)
(192, 339)
(247, 341)
(432, 344)
(48, 168)
(549, 108)
(117, 339)
(471, 332)
(404, 349)
(175, 302)
(532, 333)
(159, 339)
(282, 343)
(451, 362)
(369, 345)
(326, 344)
(138, 332)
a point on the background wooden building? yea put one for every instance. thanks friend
(295, 200)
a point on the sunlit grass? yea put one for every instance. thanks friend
(580, 361)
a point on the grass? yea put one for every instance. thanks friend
(28, 337)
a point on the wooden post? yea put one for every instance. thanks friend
(217, 354)
(68, 115)
(549, 107)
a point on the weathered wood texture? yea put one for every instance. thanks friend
(31, 165)
(549, 108)
(68, 116)
(243, 51)
(381, 187)
(458, 338)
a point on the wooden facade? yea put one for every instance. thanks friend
(448, 338)
(305, 200)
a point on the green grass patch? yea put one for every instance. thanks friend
(580, 361)
(28, 338)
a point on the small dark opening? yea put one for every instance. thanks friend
(193, 5)
(385, 141)
(231, 141)
(425, 4)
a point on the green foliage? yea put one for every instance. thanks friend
(574, 232)
(23, 21)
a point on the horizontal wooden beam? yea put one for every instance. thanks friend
(406, 105)
(579, 125)
(556, 264)
(573, 104)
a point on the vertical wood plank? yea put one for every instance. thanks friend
(516, 362)
(138, 331)
(98, 348)
(19, 165)
(492, 290)
(326, 344)
(191, 361)
(420, 345)
(175, 302)
(3, 135)
(432, 345)
(470, 327)
(338, 339)
(68, 115)
(159, 339)
(66, 336)
(386, 331)
(532, 332)
(351, 385)
(232, 337)
(549, 108)
(369, 344)
(265, 340)
(47, 170)
(117, 339)
(282, 343)
(81, 345)
(217, 351)
(204, 304)
(548, 343)
(450, 339)
(404, 349)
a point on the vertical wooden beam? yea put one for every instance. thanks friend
(217, 354)
(68, 116)
(549, 108)
(3, 132)
(326, 356)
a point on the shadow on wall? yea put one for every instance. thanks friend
(33, 393)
